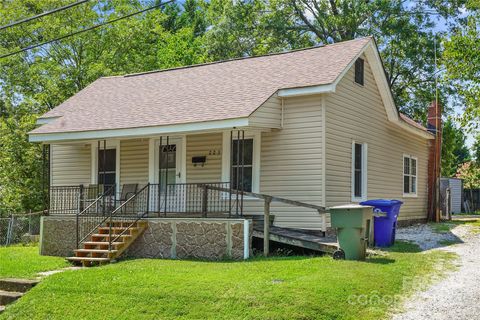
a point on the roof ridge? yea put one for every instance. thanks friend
(234, 59)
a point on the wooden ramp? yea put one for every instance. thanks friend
(297, 238)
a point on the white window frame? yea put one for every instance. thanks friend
(226, 147)
(364, 172)
(111, 144)
(409, 194)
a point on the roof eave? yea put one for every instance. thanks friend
(180, 128)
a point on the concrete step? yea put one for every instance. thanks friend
(7, 297)
(2, 308)
(17, 285)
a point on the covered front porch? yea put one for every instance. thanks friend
(181, 188)
(198, 175)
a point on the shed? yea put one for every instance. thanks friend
(456, 195)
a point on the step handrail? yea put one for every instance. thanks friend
(105, 193)
(262, 196)
(119, 208)
(95, 202)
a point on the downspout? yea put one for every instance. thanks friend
(282, 113)
(434, 126)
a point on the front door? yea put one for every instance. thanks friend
(169, 174)
(107, 167)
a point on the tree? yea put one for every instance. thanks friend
(404, 32)
(42, 78)
(469, 172)
(249, 28)
(476, 149)
(462, 63)
(454, 150)
(20, 165)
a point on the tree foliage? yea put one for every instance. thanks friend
(197, 31)
(454, 150)
(405, 33)
(462, 63)
(41, 78)
(469, 172)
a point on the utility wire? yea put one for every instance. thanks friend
(84, 30)
(46, 13)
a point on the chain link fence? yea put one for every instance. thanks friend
(20, 228)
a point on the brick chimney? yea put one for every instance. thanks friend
(434, 125)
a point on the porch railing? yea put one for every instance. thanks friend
(182, 198)
(191, 198)
(73, 199)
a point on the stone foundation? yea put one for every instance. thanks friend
(176, 238)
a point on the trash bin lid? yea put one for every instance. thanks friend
(381, 202)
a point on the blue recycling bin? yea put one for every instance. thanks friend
(385, 214)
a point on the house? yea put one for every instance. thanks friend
(318, 126)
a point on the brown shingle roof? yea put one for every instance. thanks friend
(411, 122)
(215, 91)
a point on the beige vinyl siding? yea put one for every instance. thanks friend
(209, 145)
(70, 164)
(269, 115)
(134, 161)
(291, 164)
(356, 113)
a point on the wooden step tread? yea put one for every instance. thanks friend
(113, 235)
(118, 228)
(95, 250)
(100, 243)
(88, 259)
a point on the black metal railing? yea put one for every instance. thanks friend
(95, 211)
(128, 214)
(65, 199)
(190, 198)
(74, 199)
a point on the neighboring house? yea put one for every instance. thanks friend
(319, 126)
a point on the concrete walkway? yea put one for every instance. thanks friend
(457, 296)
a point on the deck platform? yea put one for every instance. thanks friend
(297, 238)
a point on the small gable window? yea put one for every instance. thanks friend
(359, 71)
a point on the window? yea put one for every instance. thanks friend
(409, 175)
(359, 174)
(242, 173)
(106, 167)
(359, 71)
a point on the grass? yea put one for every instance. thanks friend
(445, 227)
(468, 213)
(273, 288)
(24, 262)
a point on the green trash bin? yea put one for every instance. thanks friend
(353, 224)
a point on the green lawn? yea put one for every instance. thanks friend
(25, 262)
(274, 288)
(445, 227)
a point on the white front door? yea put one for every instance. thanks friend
(168, 173)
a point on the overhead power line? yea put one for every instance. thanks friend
(46, 13)
(84, 30)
